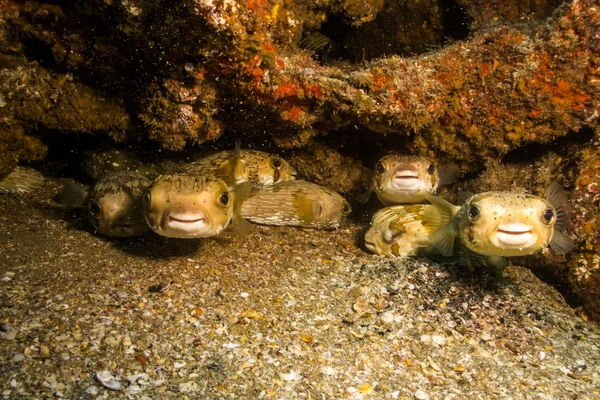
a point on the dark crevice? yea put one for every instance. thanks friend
(37, 50)
(400, 28)
(563, 145)
(456, 21)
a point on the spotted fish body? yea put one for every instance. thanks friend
(245, 165)
(21, 180)
(114, 206)
(503, 224)
(399, 231)
(296, 203)
(185, 206)
(407, 179)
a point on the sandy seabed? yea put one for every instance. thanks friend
(284, 313)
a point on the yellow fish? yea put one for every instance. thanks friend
(186, 206)
(502, 224)
(296, 203)
(399, 231)
(21, 180)
(245, 166)
(114, 206)
(408, 179)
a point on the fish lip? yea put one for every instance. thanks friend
(514, 228)
(514, 235)
(370, 246)
(406, 180)
(188, 222)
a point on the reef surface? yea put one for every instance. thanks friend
(284, 313)
(509, 90)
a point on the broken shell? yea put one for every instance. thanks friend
(108, 381)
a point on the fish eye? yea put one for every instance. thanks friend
(95, 208)
(380, 168)
(346, 209)
(548, 216)
(276, 163)
(224, 199)
(397, 236)
(474, 213)
(431, 169)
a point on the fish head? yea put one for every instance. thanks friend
(405, 179)
(398, 231)
(270, 168)
(117, 212)
(321, 207)
(187, 206)
(506, 224)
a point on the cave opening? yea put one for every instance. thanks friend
(400, 28)
(38, 50)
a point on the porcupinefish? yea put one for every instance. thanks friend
(113, 204)
(189, 206)
(502, 223)
(21, 180)
(399, 231)
(296, 203)
(407, 179)
(246, 166)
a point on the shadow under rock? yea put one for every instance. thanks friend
(154, 246)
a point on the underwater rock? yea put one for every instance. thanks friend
(584, 264)
(512, 74)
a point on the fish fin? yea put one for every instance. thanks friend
(448, 174)
(73, 194)
(363, 198)
(442, 240)
(561, 243)
(233, 171)
(21, 180)
(463, 197)
(367, 171)
(559, 199)
(497, 264)
(442, 216)
(241, 193)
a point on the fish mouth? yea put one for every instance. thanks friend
(187, 222)
(514, 235)
(406, 180)
(370, 246)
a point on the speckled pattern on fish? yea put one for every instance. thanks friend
(185, 206)
(115, 204)
(399, 231)
(408, 179)
(257, 167)
(503, 224)
(297, 203)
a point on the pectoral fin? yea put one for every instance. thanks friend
(561, 243)
(442, 216)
